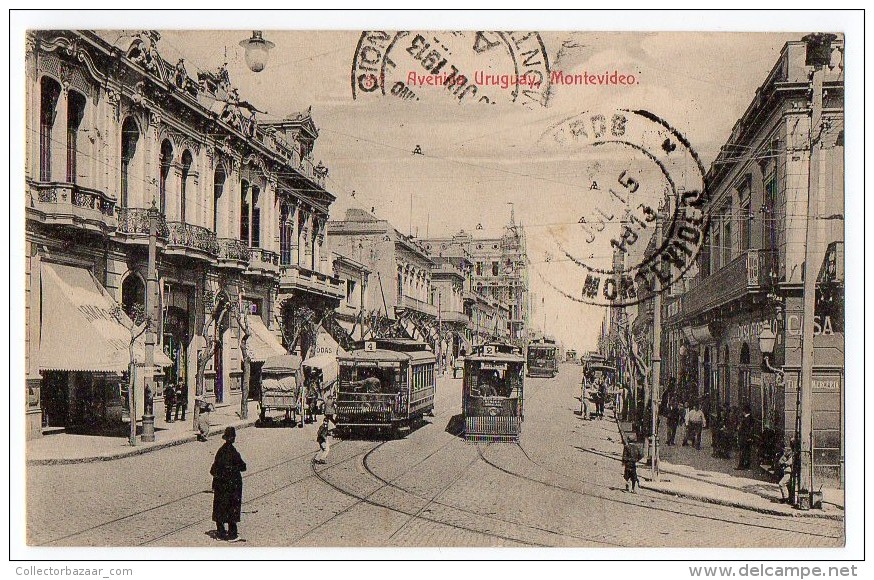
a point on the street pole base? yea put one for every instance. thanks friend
(803, 501)
(148, 435)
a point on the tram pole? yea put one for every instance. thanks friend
(656, 358)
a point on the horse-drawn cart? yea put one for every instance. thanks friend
(282, 387)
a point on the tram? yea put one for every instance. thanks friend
(386, 384)
(492, 393)
(542, 358)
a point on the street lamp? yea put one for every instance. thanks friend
(257, 51)
(151, 304)
(767, 341)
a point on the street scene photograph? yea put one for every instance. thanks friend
(433, 289)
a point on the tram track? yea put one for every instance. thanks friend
(189, 496)
(608, 498)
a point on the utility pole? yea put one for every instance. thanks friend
(151, 304)
(818, 55)
(656, 356)
(439, 335)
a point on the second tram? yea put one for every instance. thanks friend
(492, 393)
(542, 358)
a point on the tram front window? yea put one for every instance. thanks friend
(493, 383)
(373, 381)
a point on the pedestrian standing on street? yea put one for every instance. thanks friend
(673, 420)
(227, 487)
(181, 400)
(204, 409)
(784, 472)
(630, 456)
(169, 401)
(745, 439)
(694, 426)
(323, 439)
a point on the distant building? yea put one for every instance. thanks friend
(499, 270)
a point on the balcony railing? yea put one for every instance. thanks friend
(454, 316)
(293, 277)
(263, 262)
(191, 239)
(133, 222)
(749, 272)
(410, 303)
(71, 204)
(232, 252)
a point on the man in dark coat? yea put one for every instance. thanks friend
(745, 439)
(169, 401)
(227, 487)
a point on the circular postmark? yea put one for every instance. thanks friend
(481, 67)
(638, 210)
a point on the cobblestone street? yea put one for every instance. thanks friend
(561, 486)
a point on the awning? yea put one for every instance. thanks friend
(698, 334)
(78, 329)
(262, 343)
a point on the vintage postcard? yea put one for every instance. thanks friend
(450, 287)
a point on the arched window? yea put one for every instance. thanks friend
(75, 114)
(50, 91)
(165, 162)
(183, 183)
(256, 217)
(133, 295)
(244, 211)
(130, 135)
(218, 188)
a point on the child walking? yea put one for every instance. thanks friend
(630, 456)
(322, 438)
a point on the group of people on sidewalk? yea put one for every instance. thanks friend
(175, 401)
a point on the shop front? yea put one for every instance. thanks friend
(84, 353)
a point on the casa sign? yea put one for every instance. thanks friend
(750, 331)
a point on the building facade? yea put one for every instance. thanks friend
(240, 210)
(750, 274)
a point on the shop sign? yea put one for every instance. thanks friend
(750, 331)
(822, 325)
(831, 384)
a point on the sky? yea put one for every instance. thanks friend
(478, 158)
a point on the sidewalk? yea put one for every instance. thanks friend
(73, 448)
(696, 474)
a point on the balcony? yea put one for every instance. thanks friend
(410, 303)
(263, 262)
(748, 273)
(297, 278)
(232, 253)
(192, 241)
(69, 204)
(452, 316)
(133, 225)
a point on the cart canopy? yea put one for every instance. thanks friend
(281, 365)
(327, 364)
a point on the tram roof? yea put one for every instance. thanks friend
(382, 354)
(497, 357)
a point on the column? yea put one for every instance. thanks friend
(293, 212)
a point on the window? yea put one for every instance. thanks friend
(769, 222)
(479, 268)
(75, 113)
(164, 172)
(494, 268)
(244, 211)
(285, 232)
(256, 217)
(350, 291)
(130, 135)
(50, 91)
(218, 188)
(746, 241)
(183, 183)
(727, 242)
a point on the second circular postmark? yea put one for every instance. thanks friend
(639, 208)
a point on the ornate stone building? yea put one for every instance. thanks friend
(113, 129)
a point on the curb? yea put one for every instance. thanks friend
(740, 505)
(140, 450)
(727, 503)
